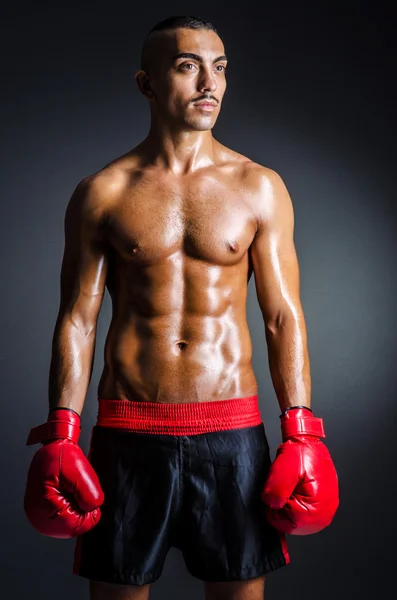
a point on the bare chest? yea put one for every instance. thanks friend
(214, 224)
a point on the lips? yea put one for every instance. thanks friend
(205, 104)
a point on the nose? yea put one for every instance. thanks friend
(207, 81)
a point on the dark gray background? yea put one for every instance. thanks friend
(310, 95)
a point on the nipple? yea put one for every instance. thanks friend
(233, 246)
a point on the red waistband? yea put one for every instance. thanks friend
(182, 418)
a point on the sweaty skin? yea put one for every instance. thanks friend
(176, 254)
(174, 229)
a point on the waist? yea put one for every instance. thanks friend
(187, 418)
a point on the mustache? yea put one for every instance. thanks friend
(206, 97)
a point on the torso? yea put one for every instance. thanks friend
(178, 269)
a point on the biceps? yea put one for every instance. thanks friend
(83, 276)
(276, 272)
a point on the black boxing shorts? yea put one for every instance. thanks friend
(185, 475)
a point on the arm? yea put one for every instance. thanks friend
(276, 272)
(301, 490)
(63, 493)
(83, 277)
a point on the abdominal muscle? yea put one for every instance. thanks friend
(178, 357)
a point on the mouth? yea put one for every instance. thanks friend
(205, 105)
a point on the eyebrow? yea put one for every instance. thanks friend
(197, 57)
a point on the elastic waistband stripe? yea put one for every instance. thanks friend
(182, 418)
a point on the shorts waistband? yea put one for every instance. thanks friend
(182, 418)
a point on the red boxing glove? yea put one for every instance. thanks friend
(63, 493)
(301, 491)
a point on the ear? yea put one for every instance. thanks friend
(143, 81)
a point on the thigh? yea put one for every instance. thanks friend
(251, 589)
(112, 591)
(224, 534)
(139, 477)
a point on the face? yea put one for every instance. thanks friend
(186, 81)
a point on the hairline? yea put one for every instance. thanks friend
(168, 30)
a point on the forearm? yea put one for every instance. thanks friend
(289, 362)
(71, 365)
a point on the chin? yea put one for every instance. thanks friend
(203, 124)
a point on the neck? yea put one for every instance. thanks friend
(181, 152)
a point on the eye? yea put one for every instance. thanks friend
(187, 66)
(220, 68)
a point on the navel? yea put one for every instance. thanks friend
(182, 344)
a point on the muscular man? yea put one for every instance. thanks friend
(174, 229)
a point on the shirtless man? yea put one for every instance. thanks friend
(179, 457)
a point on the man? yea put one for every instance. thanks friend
(179, 457)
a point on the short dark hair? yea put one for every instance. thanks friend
(183, 22)
(169, 24)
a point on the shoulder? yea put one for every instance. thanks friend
(270, 197)
(261, 187)
(256, 177)
(96, 193)
(261, 179)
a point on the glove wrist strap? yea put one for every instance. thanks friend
(301, 422)
(62, 424)
(294, 408)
